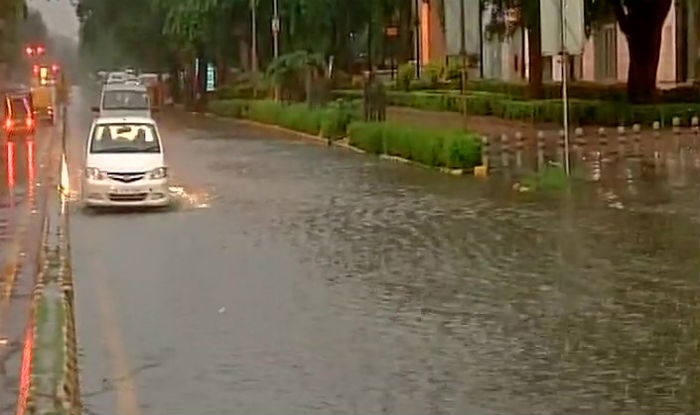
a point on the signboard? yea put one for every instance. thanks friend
(211, 77)
(453, 27)
(574, 35)
(391, 31)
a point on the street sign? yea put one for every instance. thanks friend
(571, 16)
(211, 77)
(391, 31)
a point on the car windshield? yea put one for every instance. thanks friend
(19, 108)
(125, 138)
(125, 100)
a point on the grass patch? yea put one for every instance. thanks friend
(452, 149)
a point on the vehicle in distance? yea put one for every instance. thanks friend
(124, 100)
(18, 113)
(124, 164)
(116, 77)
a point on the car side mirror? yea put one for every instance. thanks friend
(95, 109)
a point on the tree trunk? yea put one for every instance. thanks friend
(644, 48)
(642, 23)
(535, 57)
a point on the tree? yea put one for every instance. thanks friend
(642, 23)
(506, 16)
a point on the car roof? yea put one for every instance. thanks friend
(125, 120)
(124, 87)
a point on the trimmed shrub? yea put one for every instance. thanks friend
(452, 149)
(330, 121)
(405, 77)
(236, 108)
(433, 73)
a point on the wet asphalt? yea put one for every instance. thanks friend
(294, 278)
(29, 163)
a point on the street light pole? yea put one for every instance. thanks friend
(276, 28)
(254, 41)
(463, 44)
(418, 38)
(565, 87)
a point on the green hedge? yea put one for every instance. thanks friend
(330, 121)
(581, 112)
(453, 149)
(581, 90)
(236, 108)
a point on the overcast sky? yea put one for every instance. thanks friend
(58, 15)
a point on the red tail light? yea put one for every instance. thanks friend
(29, 122)
(9, 124)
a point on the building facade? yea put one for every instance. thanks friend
(605, 58)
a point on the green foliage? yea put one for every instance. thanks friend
(405, 76)
(330, 121)
(581, 112)
(337, 116)
(433, 72)
(552, 178)
(236, 108)
(453, 149)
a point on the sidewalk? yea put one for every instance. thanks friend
(483, 125)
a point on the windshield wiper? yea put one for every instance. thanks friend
(117, 150)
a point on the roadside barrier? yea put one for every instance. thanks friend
(649, 145)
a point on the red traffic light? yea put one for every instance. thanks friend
(35, 69)
(55, 67)
(40, 50)
(29, 51)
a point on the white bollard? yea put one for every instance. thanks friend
(637, 130)
(504, 150)
(485, 152)
(656, 126)
(519, 145)
(579, 142)
(541, 146)
(621, 140)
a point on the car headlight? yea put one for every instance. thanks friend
(159, 173)
(95, 174)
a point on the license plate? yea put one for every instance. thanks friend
(118, 191)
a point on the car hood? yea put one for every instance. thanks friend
(125, 113)
(125, 162)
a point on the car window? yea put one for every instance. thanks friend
(124, 138)
(20, 108)
(125, 100)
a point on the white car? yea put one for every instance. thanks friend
(124, 164)
(124, 100)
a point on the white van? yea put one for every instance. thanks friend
(124, 164)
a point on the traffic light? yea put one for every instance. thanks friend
(29, 51)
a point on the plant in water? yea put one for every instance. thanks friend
(553, 177)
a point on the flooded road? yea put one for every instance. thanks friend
(294, 278)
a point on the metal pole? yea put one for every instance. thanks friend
(481, 39)
(463, 43)
(254, 34)
(418, 38)
(565, 92)
(276, 28)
